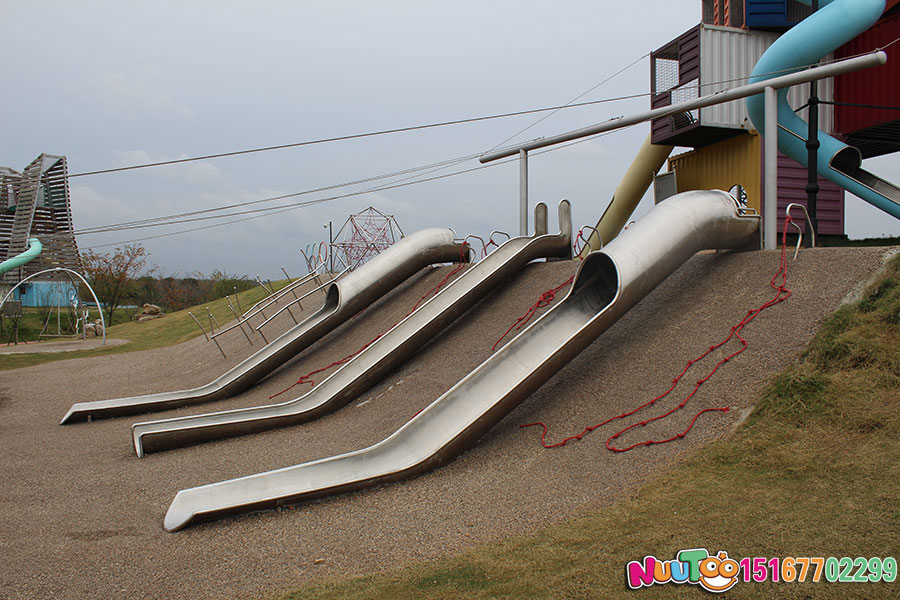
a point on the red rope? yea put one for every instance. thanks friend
(463, 250)
(546, 299)
(782, 293)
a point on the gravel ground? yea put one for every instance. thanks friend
(82, 516)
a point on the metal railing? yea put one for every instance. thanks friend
(767, 87)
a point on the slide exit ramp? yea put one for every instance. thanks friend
(608, 283)
(343, 299)
(370, 366)
(832, 26)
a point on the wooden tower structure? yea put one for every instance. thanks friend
(36, 203)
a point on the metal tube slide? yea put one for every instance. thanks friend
(835, 24)
(370, 366)
(607, 285)
(34, 249)
(343, 299)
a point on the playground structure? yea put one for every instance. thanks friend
(66, 298)
(607, 285)
(610, 281)
(387, 352)
(364, 235)
(36, 204)
(37, 239)
(343, 300)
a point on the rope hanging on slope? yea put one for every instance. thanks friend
(782, 293)
(547, 297)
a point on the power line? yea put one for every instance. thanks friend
(570, 102)
(171, 219)
(294, 206)
(189, 216)
(354, 136)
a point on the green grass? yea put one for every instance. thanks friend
(173, 328)
(812, 472)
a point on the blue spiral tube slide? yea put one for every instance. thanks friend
(833, 25)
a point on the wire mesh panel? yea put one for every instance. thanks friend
(736, 13)
(665, 74)
(709, 12)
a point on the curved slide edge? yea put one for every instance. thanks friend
(607, 285)
(34, 250)
(635, 183)
(343, 299)
(832, 26)
(376, 361)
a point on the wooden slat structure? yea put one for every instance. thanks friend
(36, 203)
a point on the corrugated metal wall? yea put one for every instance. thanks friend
(719, 58)
(792, 178)
(775, 14)
(735, 161)
(738, 161)
(878, 86)
(727, 57)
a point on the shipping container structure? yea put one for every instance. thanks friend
(771, 15)
(36, 204)
(775, 15)
(857, 118)
(705, 60)
(739, 161)
(725, 13)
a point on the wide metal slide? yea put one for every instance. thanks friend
(606, 286)
(343, 299)
(370, 366)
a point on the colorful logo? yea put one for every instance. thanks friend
(718, 573)
(695, 566)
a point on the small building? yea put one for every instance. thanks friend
(46, 293)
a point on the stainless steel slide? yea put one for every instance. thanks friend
(370, 366)
(343, 299)
(607, 285)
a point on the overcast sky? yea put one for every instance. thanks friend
(112, 84)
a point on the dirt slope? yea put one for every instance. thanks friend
(82, 516)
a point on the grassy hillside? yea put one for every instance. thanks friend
(812, 473)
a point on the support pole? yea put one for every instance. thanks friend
(770, 212)
(812, 147)
(523, 192)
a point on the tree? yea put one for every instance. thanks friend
(112, 275)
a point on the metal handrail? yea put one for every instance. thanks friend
(809, 226)
(872, 59)
(587, 240)
(286, 306)
(272, 299)
(253, 310)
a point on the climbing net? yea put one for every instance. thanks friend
(364, 235)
